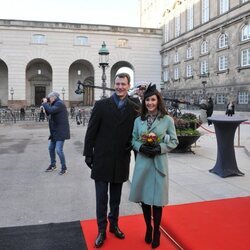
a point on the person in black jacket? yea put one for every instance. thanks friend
(59, 129)
(210, 109)
(107, 152)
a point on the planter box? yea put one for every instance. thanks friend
(185, 142)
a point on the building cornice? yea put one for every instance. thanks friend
(78, 27)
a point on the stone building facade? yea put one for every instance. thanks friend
(206, 51)
(38, 57)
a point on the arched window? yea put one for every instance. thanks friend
(245, 32)
(223, 41)
(204, 47)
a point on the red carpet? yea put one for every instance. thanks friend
(134, 229)
(213, 225)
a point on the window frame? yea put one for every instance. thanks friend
(204, 47)
(223, 6)
(223, 41)
(39, 39)
(247, 59)
(243, 97)
(222, 63)
(245, 32)
(204, 67)
(220, 98)
(190, 16)
(176, 73)
(81, 40)
(205, 11)
(189, 70)
(189, 52)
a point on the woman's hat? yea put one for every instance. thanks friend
(151, 90)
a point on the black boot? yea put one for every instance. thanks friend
(157, 213)
(147, 217)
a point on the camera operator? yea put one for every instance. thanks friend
(59, 129)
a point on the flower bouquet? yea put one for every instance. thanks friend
(150, 139)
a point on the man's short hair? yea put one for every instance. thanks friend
(123, 75)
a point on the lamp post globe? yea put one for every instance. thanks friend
(103, 63)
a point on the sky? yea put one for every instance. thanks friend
(110, 12)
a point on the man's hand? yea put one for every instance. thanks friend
(45, 100)
(89, 161)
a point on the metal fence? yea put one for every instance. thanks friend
(80, 116)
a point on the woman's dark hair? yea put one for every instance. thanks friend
(160, 106)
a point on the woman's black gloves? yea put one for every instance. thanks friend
(150, 151)
(89, 161)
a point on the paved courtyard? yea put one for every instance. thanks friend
(29, 195)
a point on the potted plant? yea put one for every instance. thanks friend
(186, 128)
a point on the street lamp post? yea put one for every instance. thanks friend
(11, 93)
(63, 93)
(103, 63)
(204, 88)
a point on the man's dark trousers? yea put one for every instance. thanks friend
(115, 190)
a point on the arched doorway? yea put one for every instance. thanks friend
(38, 81)
(3, 84)
(119, 67)
(81, 70)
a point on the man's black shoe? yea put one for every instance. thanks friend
(117, 232)
(100, 239)
(63, 171)
(50, 168)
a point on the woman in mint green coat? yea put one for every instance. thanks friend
(153, 136)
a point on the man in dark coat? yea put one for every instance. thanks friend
(59, 129)
(107, 152)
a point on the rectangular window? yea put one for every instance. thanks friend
(166, 32)
(245, 57)
(204, 11)
(122, 43)
(176, 74)
(220, 98)
(223, 63)
(176, 57)
(177, 25)
(165, 60)
(224, 6)
(189, 53)
(39, 39)
(243, 98)
(190, 16)
(189, 70)
(81, 40)
(165, 75)
(204, 67)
